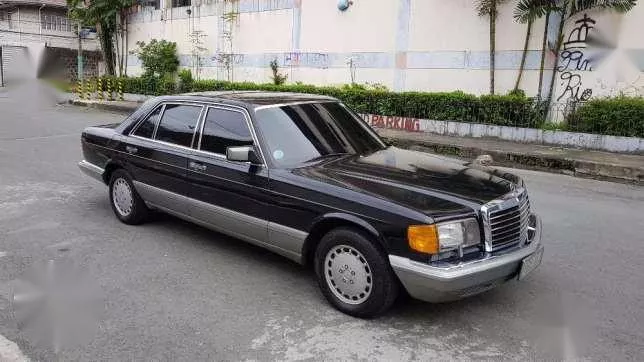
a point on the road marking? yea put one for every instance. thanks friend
(10, 352)
(3, 254)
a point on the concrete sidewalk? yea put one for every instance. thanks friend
(609, 166)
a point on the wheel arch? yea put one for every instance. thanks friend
(332, 221)
(110, 167)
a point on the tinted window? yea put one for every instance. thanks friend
(299, 133)
(224, 128)
(178, 124)
(146, 128)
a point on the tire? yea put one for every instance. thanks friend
(354, 273)
(121, 190)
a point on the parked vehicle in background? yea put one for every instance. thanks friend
(305, 177)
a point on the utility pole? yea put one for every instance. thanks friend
(1, 69)
(80, 54)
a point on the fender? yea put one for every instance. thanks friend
(326, 222)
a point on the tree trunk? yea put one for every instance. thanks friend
(492, 43)
(107, 46)
(557, 51)
(526, 44)
(544, 44)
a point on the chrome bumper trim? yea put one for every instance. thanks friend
(438, 284)
(91, 170)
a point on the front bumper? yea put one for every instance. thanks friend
(441, 284)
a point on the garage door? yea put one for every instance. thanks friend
(17, 66)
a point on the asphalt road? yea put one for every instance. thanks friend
(175, 291)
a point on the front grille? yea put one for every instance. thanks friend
(506, 220)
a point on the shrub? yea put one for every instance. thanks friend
(158, 58)
(185, 81)
(455, 106)
(620, 116)
(277, 77)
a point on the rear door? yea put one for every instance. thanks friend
(157, 151)
(230, 196)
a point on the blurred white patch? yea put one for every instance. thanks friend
(9, 351)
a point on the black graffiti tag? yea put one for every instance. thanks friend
(573, 59)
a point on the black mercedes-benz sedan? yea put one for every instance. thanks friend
(305, 177)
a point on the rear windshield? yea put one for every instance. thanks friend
(295, 134)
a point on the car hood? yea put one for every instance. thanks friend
(428, 183)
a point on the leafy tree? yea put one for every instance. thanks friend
(159, 58)
(528, 11)
(489, 8)
(105, 15)
(569, 8)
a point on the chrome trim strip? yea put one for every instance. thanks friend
(277, 105)
(286, 241)
(92, 170)
(505, 202)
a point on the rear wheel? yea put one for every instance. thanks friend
(354, 274)
(126, 203)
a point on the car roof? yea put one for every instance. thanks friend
(258, 98)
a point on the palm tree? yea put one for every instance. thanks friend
(569, 8)
(528, 11)
(489, 8)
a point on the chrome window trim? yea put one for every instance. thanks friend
(145, 118)
(249, 123)
(156, 125)
(277, 105)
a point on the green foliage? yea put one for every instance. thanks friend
(517, 93)
(158, 58)
(530, 10)
(103, 15)
(620, 116)
(186, 80)
(277, 78)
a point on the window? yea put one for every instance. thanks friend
(56, 23)
(224, 128)
(178, 124)
(180, 3)
(298, 133)
(146, 128)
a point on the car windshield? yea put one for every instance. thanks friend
(299, 133)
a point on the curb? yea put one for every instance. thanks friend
(118, 107)
(553, 164)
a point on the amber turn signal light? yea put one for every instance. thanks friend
(423, 238)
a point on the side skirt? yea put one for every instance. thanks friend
(284, 241)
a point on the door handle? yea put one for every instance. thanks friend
(131, 149)
(197, 166)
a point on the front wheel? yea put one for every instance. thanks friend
(354, 274)
(126, 203)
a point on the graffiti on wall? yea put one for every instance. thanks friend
(573, 59)
(391, 122)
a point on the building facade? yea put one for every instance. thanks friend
(406, 45)
(37, 38)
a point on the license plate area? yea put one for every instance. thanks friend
(530, 263)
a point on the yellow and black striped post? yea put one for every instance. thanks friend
(110, 95)
(120, 89)
(88, 89)
(99, 88)
(79, 89)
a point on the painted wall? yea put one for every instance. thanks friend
(430, 45)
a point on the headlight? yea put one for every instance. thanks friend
(434, 239)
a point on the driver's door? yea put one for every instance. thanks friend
(229, 196)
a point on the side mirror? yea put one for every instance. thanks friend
(242, 154)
